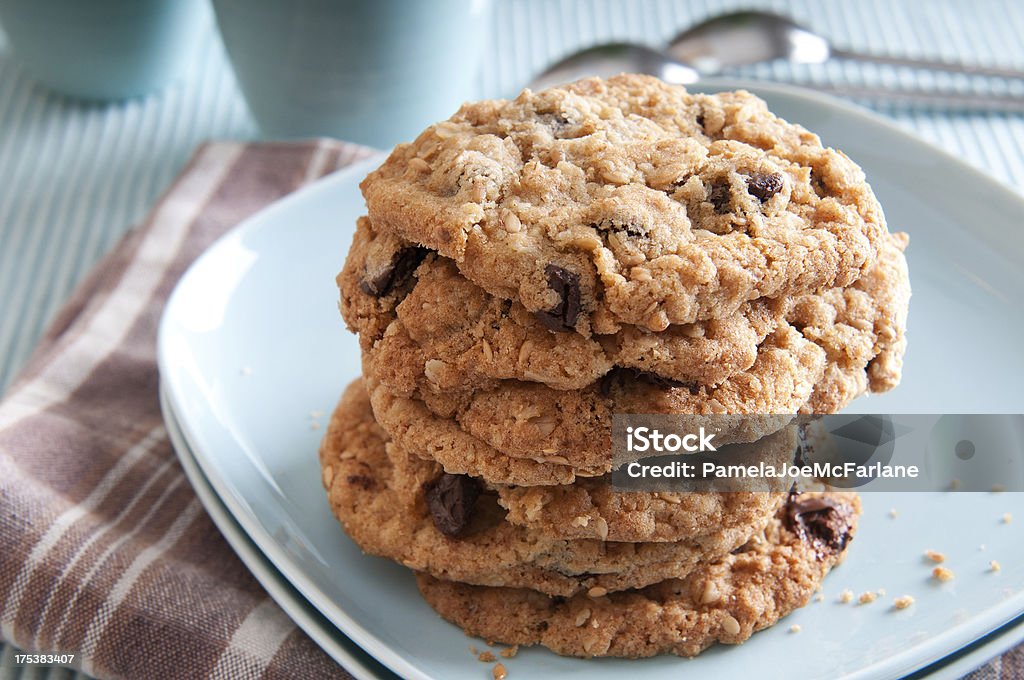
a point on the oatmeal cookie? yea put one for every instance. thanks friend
(435, 329)
(630, 201)
(399, 506)
(833, 347)
(502, 453)
(725, 601)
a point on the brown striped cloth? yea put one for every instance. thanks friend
(105, 551)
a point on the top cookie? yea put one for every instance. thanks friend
(629, 201)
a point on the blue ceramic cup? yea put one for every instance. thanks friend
(369, 71)
(104, 49)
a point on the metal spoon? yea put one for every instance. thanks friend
(614, 58)
(750, 37)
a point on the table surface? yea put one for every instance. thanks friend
(74, 177)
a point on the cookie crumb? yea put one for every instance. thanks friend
(473, 650)
(317, 413)
(499, 672)
(597, 591)
(892, 513)
(1007, 518)
(486, 656)
(881, 592)
(902, 602)
(942, 574)
(846, 596)
(954, 485)
(994, 566)
(934, 556)
(510, 652)
(795, 628)
(819, 598)
(867, 597)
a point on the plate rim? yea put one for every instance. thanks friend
(277, 586)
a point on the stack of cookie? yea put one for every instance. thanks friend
(529, 268)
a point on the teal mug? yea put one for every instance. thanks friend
(369, 71)
(104, 49)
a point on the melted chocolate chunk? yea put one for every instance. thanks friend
(397, 272)
(821, 521)
(719, 196)
(451, 499)
(562, 317)
(620, 374)
(763, 187)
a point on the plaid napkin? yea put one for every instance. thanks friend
(105, 551)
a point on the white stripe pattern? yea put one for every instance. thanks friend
(121, 309)
(124, 585)
(100, 561)
(63, 523)
(254, 643)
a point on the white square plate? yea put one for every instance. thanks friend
(251, 344)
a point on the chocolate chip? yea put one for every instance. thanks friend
(821, 521)
(720, 197)
(621, 374)
(562, 317)
(630, 228)
(395, 273)
(763, 187)
(362, 481)
(450, 499)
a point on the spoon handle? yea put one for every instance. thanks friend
(933, 99)
(931, 64)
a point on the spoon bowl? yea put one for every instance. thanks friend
(748, 37)
(612, 59)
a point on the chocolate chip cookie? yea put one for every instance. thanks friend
(438, 330)
(833, 347)
(629, 201)
(416, 429)
(723, 601)
(591, 508)
(399, 506)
